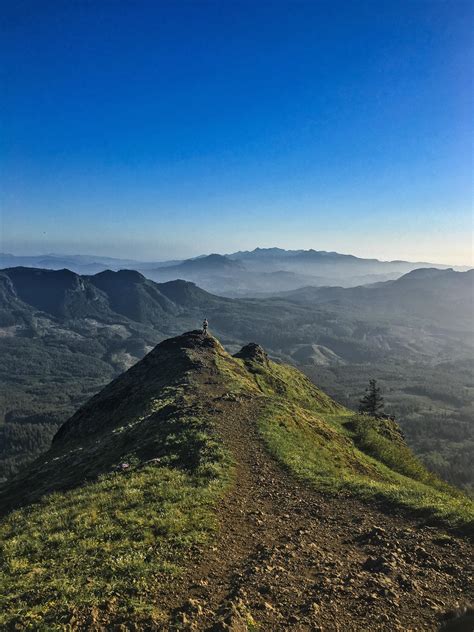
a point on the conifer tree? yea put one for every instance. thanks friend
(372, 403)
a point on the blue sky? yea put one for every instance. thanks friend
(168, 129)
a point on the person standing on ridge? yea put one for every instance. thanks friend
(205, 326)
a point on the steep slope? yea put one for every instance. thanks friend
(60, 293)
(63, 336)
(132, 295)
(66, 295)
(169, 511)
(14, 313)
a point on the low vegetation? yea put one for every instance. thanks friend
(421, 397)
(130, 487)
(342, 452)
(96, 555)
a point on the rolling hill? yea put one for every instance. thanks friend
(441, 298)
(200, 490)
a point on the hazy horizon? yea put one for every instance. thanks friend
(207, 253)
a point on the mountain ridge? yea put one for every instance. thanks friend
(258, 251)
(196, 478)
(109, 288)
(172, 365)
(262, 271)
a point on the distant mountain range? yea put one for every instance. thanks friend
(108, 296)
(263, 271)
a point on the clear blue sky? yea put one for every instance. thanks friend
(162, 129)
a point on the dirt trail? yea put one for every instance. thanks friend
(298, 560)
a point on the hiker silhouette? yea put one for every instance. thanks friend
(205, 326)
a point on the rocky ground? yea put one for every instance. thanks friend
(289, 558)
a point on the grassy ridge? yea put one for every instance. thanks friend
(339, 451)
(95, 555)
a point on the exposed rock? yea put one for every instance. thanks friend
(378, 564)
(253, 353)
(377, 535)
(194, 606)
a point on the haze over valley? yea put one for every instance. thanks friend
(262, 271)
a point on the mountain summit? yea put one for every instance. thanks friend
(200, 491)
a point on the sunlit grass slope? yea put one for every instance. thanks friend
(96, 555)
(134, 478)
(92, 539)
(340, 451)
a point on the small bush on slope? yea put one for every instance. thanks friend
(379, 438)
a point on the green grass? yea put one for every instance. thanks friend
(286, 382)
(96, 555)
(368, 465)
(342, 452)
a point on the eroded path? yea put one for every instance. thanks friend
(290, 558)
